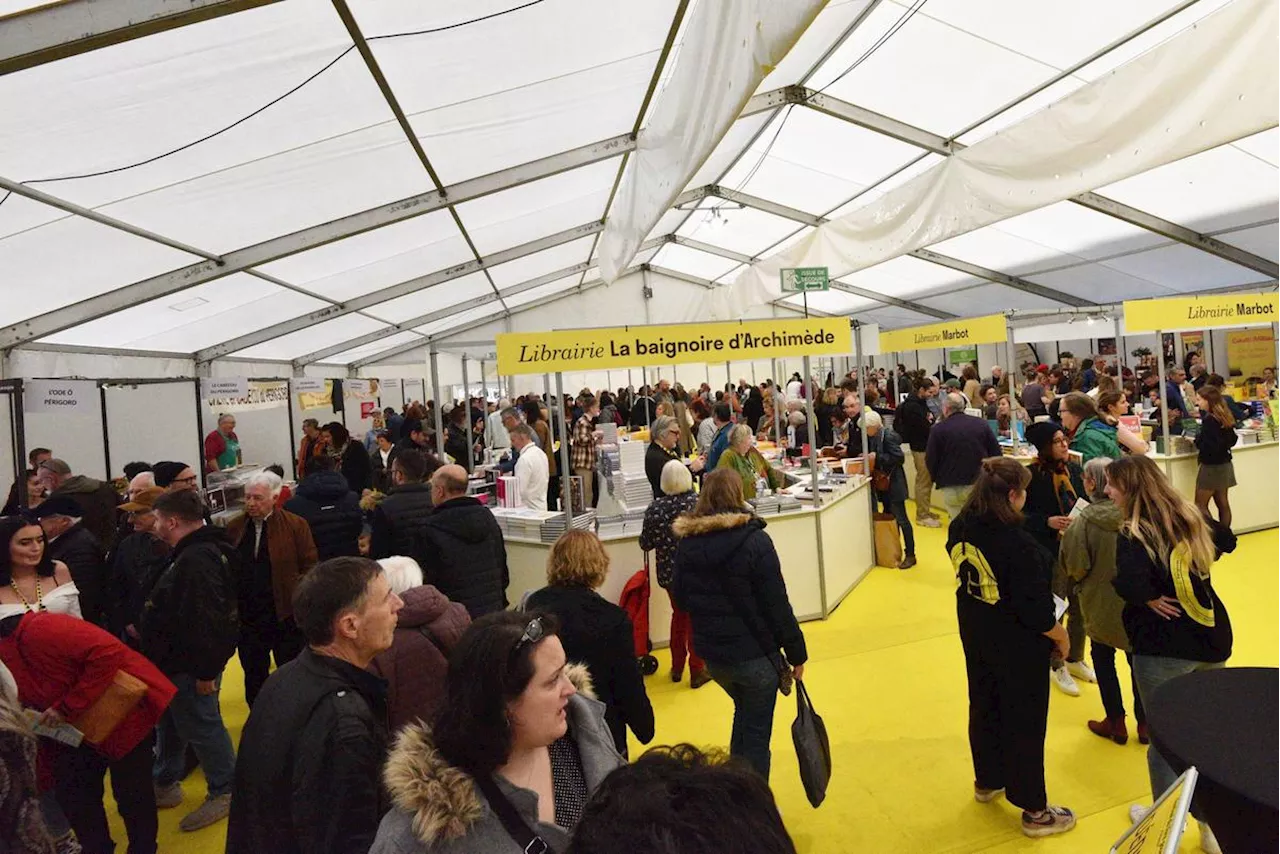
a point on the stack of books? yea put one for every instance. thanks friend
(553, 527)
(521, 523)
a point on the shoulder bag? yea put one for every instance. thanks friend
(515, 825)
(105, 714)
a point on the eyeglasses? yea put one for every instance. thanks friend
(188, 480)
(1061, 440)
(533, 633)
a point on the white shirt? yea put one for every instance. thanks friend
(495, 432)
(794, 389)
(532, 476)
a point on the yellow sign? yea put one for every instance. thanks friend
(1168, 315)
(1249, 351)
(641, 346)
(963, 333)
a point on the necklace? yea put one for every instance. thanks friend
(40, 606)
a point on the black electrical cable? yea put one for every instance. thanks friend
(280, 98)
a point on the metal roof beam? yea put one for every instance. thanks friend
(681, 240)
(409, 286)
(885, 299)
(72, 27)
(309, 238)
(999, 278)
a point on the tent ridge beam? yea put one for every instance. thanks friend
(409, 286)
(309, 238)
(72, 27)
(999, 278)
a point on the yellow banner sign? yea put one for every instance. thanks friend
(1168, 315)
(964, 332)
(642, 346)
(1250, 352)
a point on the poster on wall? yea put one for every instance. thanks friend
(360, 388)
(968, 356)
(313, 398)
(256, 395)
(1249, 351)
(368, 408)
(65, 397)
(1106, 346)
(1193, 342)
(1167, 348)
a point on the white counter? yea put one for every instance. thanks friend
(824, 554)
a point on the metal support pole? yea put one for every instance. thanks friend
(861, 392)
(893, 373)
(484, 387)
(439, 400)
(1013, 396)
(1164, 392)
(813, 444)
(777, 410)
(566, 473)
(466, 406)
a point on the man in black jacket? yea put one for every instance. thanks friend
(189, 629)
(97, 500)
(136, 564)
(309, 774)
(460, 548)
(71, 542)
(403, 514)
(913, 422)
(332, 510)
(956, 450)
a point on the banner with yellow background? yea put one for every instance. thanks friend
(1180, 313)
(1249, 351)
(961, 333)
(646, 346)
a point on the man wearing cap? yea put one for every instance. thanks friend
(136, 563)
(97, 500)
(69, 541)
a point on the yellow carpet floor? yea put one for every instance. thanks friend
(886, 673)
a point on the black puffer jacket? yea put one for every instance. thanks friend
(191, 621)
(728, 579)
(461, 552)
(356, 467)
(399, 519)
(913, 422)
(309, 768)
(599, 634)
(136, 565)
(82, 552)
(332, 512)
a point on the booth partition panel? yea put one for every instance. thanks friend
(74, 435)
(263, 428)
(152, 421)
(12, 451)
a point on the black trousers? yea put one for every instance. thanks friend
(80, 776)
(258, 643)
(1008, 702)
(1104, 666)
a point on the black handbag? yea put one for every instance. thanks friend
(813, 749)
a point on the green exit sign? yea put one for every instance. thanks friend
(800, 279)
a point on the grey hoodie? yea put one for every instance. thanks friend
(439, 810)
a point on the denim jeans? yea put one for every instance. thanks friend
(195, 719)
(1152, 671)
(953, 498)
(753, 687)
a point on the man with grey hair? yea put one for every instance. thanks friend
(496, 429)
(69, 541)
(276, 549)
(97, 499)
(663, 437)
(957, 446)
(532, 470)
(508, 419)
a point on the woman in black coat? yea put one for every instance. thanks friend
(596, 632)
(353, 462)
(728, 578)
(753, 407)
(886, 446)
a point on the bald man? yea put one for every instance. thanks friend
(461, 547)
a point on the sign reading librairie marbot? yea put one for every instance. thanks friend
(641, 346)
(1178, 313)
(68, 397)
(962, 333)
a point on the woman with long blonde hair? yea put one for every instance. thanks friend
(1216, 438)
(1175, 621)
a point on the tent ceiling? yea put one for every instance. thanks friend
(356, 256)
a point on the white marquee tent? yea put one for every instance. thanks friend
(267, 187)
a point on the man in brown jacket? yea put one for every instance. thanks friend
(276, 549)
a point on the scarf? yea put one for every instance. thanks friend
(1062, 487)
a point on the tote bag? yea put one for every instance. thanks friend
(888, 546)
(813, 750)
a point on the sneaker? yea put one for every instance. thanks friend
(1137, 813)
(986, 796)
(212, 811)
(1082, 671)
(699, 678)
(1052, 820)
(1208, 842)
(907, 562)
(1064, 683)
(929, 523)
(168, 797)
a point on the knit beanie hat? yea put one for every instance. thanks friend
(1041, 434)
(167, 472)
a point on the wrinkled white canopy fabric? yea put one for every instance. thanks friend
(241, 185)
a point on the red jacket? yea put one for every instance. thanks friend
(66, 663)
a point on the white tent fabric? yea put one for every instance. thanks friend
(1206, 87)
(139, 179)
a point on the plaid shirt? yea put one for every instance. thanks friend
(582, 453)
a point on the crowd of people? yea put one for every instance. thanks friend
(411, 708)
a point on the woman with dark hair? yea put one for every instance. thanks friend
(1004, 606)
(729, 580)
(534, 417)
(1214, 442)
(455, 437)
(1111, 405)
(1173, 617)
(29, 579)
(354, 463)
(1090, 435)
(753, 407)
(512, 755)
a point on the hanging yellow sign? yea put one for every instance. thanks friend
(642, 346)
(1171, 315)
(1250, 352)
(963, 332)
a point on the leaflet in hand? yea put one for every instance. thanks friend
(1059, 606)
(64, 733)
(1078, 508)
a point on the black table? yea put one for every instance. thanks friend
(1224, 722)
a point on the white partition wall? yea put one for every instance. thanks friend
(263, 429)
(154, 421)
(10, 467)
(74, 438)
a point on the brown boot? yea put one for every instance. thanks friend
(1143, 736)
(1112, 728)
